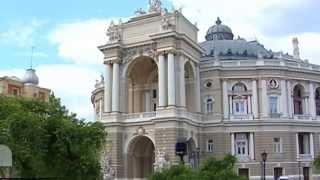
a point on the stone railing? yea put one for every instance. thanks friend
(305, 157)
(241, 117)
(139, 116)
(212, 117)
(302, 116)
(260, 62)
(243, 158)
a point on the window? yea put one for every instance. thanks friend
(209, 105)
(242, 144)
(317, 99)
(277, 145)
(273, 104)
(154, 93)
(210, 145)
(15, 92)
(298, 99)
(239, 105)
(244, 172)
(304, 143)
(42, 96)
(154, 107)
(239, 99)
(277, 173)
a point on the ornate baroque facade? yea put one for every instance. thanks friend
(161, 87)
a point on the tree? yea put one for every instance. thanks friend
(48, 141)
(212, 169)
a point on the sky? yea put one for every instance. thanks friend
(66, 34)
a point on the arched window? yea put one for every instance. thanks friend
(317, 100)
(298, 99)
(209, 104)
(239, 99)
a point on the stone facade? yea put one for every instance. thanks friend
(161, 87)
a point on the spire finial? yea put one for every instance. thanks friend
(218, 22)
(31, 57)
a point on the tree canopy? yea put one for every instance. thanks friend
(211, 169)
(48, 141)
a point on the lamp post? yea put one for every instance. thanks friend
(198, 156)
(264, 156)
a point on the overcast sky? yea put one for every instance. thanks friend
(66, 33)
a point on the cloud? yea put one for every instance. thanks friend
(253, 19)
(77, 41)
(72, 83)
(22, 34)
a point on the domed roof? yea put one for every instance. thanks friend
(219, 32)
(30, 77)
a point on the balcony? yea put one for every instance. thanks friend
(146, 116)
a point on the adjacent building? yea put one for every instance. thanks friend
(162, 89)
(26, 87)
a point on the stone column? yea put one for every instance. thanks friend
(162, 81)
(100, 109)
(225, 99)
(264, 98)
(251, 150)
(108, 88)
(284, 100)
(197, 89)
(249, 105)
(171, 80)
(297, 145)
(290, 102)
(230, 105)
(147, 98)
(116, 87)
(311, 145)
(254, 99)
(232, 144)
(312, 104)
(182, 82)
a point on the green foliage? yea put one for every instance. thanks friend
(212, 169)
(47, 141)
(317, 164)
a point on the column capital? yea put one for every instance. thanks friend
(160, 53)
(112, 60)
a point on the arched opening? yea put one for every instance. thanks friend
(190, 86)
(140, 157)
(142, 79)
(191, 153)
(240, 101)
(317, 101)
(298, 91)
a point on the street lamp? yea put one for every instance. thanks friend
(264, 156)
(198, 156)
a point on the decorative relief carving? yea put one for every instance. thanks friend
(107, 169)
(273, 84)
(114, 32)
(166, 23)
(131, 53)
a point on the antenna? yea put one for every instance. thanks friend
(31, 57)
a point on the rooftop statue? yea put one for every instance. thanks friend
(154, 6)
